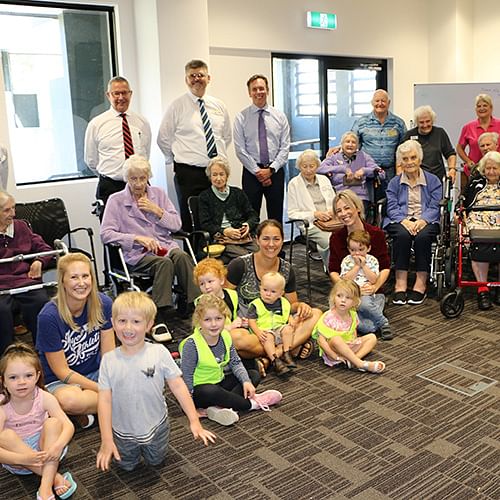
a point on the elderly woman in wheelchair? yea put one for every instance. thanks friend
(141, 219)
(17, 238)
(482, 207)
(413, 214)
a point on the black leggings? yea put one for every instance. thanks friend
(228, 393)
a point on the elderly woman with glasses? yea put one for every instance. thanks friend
(413, 212)
(226, 213)
(435, 143)
(141, 218)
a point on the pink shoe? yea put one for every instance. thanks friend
(267, 399)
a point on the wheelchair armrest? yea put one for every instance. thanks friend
(89, 230)
(303, 221)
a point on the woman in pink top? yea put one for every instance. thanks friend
(471, 131)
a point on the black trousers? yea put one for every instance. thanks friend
(274, 193)
(29, 303)
(228, 393)
(189, 180)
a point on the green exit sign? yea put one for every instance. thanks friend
(321, 20)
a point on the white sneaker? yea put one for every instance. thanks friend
(223, 416)
(160, 333)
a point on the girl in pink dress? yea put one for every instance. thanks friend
(34, 431)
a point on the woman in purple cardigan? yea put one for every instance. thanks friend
(17, 238)
(141, 219)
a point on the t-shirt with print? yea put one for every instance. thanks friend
(81, 347)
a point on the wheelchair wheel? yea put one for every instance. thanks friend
(439, 286)
(452, 304)
(450, 271)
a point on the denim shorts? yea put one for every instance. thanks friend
(34, 443)
(154, 452)
(57, 384)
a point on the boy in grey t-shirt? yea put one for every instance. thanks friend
(133, 417)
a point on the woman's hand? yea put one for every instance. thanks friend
(232, 233)
(348, 173)
(303, 311)
(408, 225)
(248, 390)
(322, 216)
(359, 174)
(368, 289)
(146, 205)
(148, 243)
(35, 271)
(419, 225)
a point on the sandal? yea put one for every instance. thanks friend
(377, 367)
(305, 350)
(262, 365)
(69, 489)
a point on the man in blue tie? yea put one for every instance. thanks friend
(195, 128)
(262, 141)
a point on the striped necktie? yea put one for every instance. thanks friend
(207, 127)
(128, 145)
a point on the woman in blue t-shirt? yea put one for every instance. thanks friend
(74, 331)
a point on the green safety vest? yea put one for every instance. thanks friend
(208, 370)
(321, 329)
(268, 320)
(233, 295)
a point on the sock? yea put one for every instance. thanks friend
(254, 405)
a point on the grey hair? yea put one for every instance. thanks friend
(139, 163)
(222, 162)
(494, 156)
(493, 136)
(347, 134)
(117, 79)
(424, 110)
(307, 154)
(4, 197)
(406, 147)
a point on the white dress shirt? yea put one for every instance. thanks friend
(181, 135)
(104, 149)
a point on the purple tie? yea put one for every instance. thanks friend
(264, 152)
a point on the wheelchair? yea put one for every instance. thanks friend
(452, 304)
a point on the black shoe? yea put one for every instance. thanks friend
(484, 301)
(399, 298)
(386, 332)
(415, 298)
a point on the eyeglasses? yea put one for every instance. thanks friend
(195, 76)
(119, 93)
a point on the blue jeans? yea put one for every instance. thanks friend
(154, 451)
(371, 313)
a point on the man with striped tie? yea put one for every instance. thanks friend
(195, 128)
(113, 136)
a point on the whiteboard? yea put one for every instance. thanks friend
(454, 103)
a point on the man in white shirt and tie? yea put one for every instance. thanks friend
(113, 136)
(262, 141)
(195, 128)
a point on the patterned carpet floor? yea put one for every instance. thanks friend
(337, 433)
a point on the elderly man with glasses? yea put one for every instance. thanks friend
(113, 136)
(195, 129)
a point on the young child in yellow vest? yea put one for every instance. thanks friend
(133, 415)
(269, 318)
(210, 276)
(336, 334)
(219, 383)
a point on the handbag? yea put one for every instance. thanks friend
(329, 225)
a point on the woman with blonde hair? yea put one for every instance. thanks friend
(74, 331)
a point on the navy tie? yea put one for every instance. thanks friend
(207, 127)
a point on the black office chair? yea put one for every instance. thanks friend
(49, 219)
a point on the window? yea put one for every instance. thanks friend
(56, 61)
